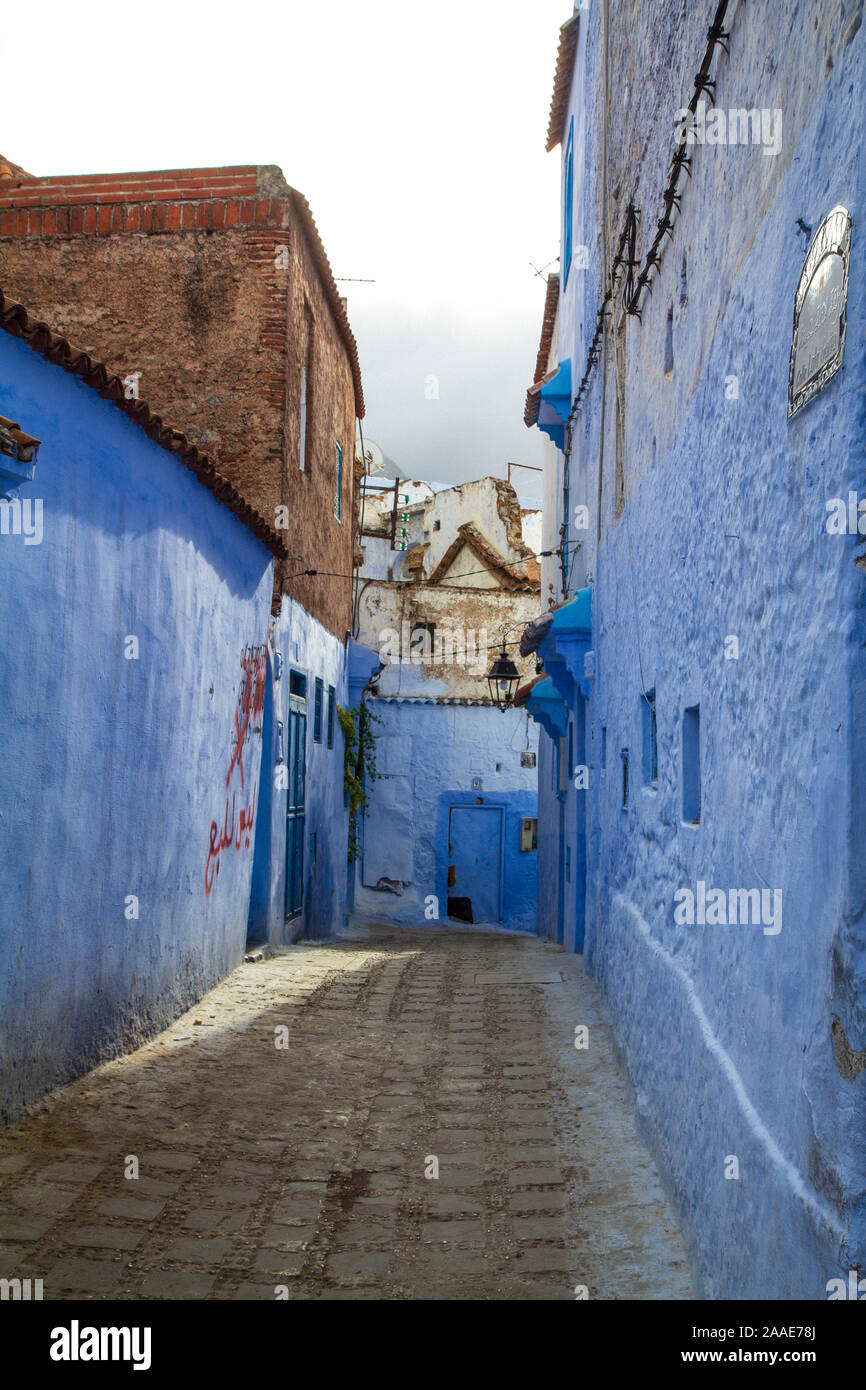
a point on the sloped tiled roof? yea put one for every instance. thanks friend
(8, 170)
(548, 324)
(15, 321)
(562, 82)
(511, 576)
(523, 692)
(433, 699)
(338, 309)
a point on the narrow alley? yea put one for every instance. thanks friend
(433, 675)
(302, 1164)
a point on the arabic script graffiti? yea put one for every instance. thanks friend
(236, 832)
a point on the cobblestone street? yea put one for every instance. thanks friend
(299, 1170)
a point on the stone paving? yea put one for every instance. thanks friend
(301, 1164)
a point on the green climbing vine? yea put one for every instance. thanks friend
(359, 764)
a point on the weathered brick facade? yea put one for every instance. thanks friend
(214, 285)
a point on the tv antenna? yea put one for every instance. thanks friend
(540, 272)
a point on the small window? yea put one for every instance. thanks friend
(305, 433)
(298, 685)
(437, 525)
(317, 711)
(692, 765)
(332, 700)
(603, 747)
(421, 640)
(302, 442)
(625, 774)
(650, 740)
(338, 484)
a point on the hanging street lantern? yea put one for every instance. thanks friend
(502, 679)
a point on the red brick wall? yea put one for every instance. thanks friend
(174, 275)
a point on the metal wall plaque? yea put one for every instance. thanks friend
(818, 343)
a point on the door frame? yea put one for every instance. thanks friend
(487, 806)
(296, 809)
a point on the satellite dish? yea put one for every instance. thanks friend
(372, 457)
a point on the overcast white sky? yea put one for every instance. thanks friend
(417, 133)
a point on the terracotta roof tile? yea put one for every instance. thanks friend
(523, 692)
(433, 699)
(9, 171)
(548, 324)
(15, 321)
(337, 306)
(562, 81)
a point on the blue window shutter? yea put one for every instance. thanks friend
(332, 699)
(568, 206)
(317, 712)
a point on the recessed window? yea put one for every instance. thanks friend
(298, 685)
(305, 432)
(338, 484)
(692, 765)
(568, 206)
(317, 711)
(603, 747)
(421, 640)
(625, 776)
(332, 700)
(650, 740)
(436, 525)
(669, 343)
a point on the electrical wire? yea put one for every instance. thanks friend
(356, 599)
(334, 574)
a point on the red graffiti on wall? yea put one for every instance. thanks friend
(247, 721)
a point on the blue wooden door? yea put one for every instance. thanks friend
(475, 860)
(297, 769)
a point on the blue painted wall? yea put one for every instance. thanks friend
(550, 842)
(428, 755)
(310, 649)
(114, 770)
(738, 1042)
